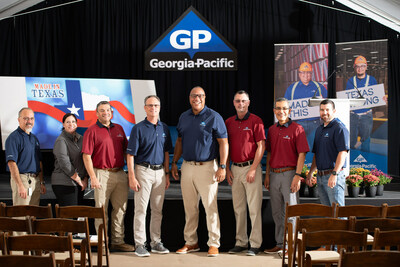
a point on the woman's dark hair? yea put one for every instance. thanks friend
(68, 115)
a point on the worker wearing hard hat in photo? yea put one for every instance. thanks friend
(361, 120)
(306, 88)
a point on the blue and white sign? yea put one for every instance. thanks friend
(191, 43)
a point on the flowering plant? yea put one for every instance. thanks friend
(383, 178)
(354, 180)
(371, 180)
(359, 171)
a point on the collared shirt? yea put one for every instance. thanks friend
(199, 134)
(360, 83)
(24, 149)
(285, 143)
(243, 135)
(106, 145)
(149, 142)
(329, 141)
(67, 159)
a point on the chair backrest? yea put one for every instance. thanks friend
(18, 225)
(369, 259)
(360, 211)
(62, 226)
(42, 243)
(93, 213)
(384, 224)
(28, 260)
(2, 244)
(393, 211)
(320, 224)
(386, 239)
(25, 210)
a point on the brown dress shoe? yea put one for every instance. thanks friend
(122, 247)
(188, 248)
(212, 251)
(273, 250)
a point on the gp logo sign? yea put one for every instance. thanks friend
(191, 43)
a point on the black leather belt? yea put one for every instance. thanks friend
(326, 172)
(34, 175)
(153, 167)
(243, 164)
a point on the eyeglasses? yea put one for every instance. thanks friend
(28, 118)
(279, 108)
(153, 105)
(197, 95)
(239, 100)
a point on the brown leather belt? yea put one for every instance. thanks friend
(326, 172)
(112, 169)
(279, 170)
(34, 175)
(243, 164)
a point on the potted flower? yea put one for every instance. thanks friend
(362, 172)
(370, 181)
(383, 179)
(353, 182)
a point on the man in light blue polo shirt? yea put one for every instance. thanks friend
(331, 145)
(147, 151)
(24, 161)
(202, 137)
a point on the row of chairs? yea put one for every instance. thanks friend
(50, 225)
(311, 210)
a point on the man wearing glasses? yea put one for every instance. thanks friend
(306, 88)
(246, 145)
(24, 161)
(202, 137)
(148, 168)
(361, 120)
(287, 148)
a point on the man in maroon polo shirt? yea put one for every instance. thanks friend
(246, 137)
(287, 148)
(104, 146)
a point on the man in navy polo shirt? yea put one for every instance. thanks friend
(24, 161)
(148, 167)
(202, 137)
(246, 136)
(331, 145)
(103, 149)
(287, 148)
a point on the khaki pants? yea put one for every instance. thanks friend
(34, 199)
(152, 187)
(199, 180)
(247, 194)
(114, 187)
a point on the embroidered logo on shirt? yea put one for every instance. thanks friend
(164, 135)
(203, 124)
(286, 137)
(247, 129)
(119, 135)
(326, 135)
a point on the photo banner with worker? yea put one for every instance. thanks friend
(301, 72)
(362, 72)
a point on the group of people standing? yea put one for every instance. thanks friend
(212, 150)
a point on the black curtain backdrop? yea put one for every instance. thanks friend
(108, 38)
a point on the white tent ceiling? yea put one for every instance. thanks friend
(386, 12)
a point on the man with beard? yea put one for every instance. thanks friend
(24, 161)
(331, 145)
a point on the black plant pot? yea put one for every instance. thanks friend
(353, 191)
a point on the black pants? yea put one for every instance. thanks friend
(68, 195)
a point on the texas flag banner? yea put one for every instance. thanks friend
(52, 98)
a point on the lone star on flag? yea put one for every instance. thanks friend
(74, 110)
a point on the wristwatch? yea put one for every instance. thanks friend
(334, 173)
(222, 166)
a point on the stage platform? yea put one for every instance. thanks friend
(174, 216)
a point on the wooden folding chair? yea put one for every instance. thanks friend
(386, 239)
(306, 209)
(366, 211)
(319, 224)
(393, 211)
(15, 225)
(369, 259)
(25, 210)
(41, 244)
(28, 260)
(93, 213)
(352, 241)
(3, 248)
(61, 226)
(384, 224)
